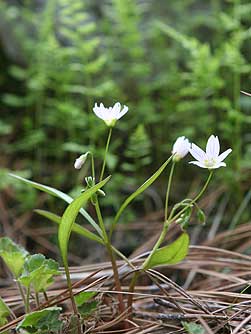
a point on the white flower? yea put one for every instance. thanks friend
(110, 115)
(211, 159)
(80, 160)
(180, 148)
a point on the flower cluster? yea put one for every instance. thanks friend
(210, 159)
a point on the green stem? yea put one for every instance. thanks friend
(101, 221)
(93, 167)
(157, 245)
(37, 299)
(45, 296)
(74, 306)
(27, 302)
(21, 293)
(131, 290)
(106, 150)
(168, 189)
(172, 219)
(116, 277)
(111, 255)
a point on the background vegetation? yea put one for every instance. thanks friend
(178, 65)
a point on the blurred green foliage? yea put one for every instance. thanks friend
(178, 65)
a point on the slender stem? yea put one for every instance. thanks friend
(92, 166)
(101, 221)
(45, 296)
(168, 189)
(27, 303)
(116, 277)
(110, 251)
(157, 245)
(74, 306)
(37, 299)
(145, 264)
(106, 150)
(21, 293)
(131, 290)
(122, 256)
(205, 187)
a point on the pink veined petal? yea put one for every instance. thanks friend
(198, 163)
(197, 153)
(213, 147)
(123, 112)
(223, 155)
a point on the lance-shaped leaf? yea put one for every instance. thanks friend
(69, 217)
(13, 255)
(39, 272)
(141, 189)
(170, 254)
(44, 321)
(4, 312)
(59, 194)
(76, 228)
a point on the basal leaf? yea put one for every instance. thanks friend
(59, 194)
(13, 255)
(76, 228)
(44, 320)
(39, 272)
(170, 254)
(69, 217)
(142, 188)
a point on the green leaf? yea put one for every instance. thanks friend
(170, 254)
(4, 310)
(59, 194)
(83, 297)
(76, 228)
(4, 313)
(142, 188)
(193, 328)
(70, 215)
(44, 320)
(13, 255)
(88, 308)
(39, 272)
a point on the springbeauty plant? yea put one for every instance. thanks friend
(93, 192)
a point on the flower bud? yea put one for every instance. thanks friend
(180, 148)
(79, 162)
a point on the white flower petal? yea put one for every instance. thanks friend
(123, 112)
(181, 147)
(218, 165)
(110, 115)
(213, 147)
(223, 155)
(116, 110)
(197, 153)
(198, 163)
